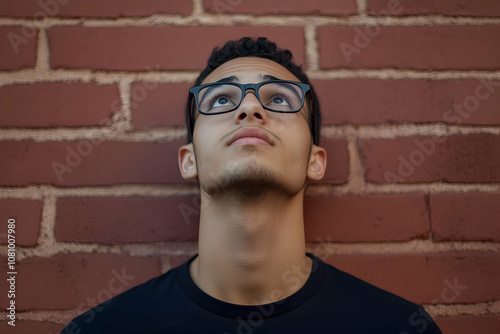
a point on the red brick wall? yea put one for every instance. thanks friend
(91, 115)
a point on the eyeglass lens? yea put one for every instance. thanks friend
(277, 96)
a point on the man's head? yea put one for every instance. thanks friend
(263, 48)
(256, 137)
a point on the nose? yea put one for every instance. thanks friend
(250, 108)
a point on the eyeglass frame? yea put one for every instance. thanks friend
(194, 91)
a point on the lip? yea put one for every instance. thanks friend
(250, 136)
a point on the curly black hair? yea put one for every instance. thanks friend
(261, 47)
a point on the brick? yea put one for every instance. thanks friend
(158, 48)
(458, 158)
(27, 215)
(465, 216)
(17, 47)
(281, 7)
(374, 101)
(58, 104)
(367, 218)
(28, 327)
(77, 280)
(337, 167)
(157, 105)
(94, 8)
(426, 278)
(433, 7)
(84, 163)
(465, 324)
(131, 219)
(423, 48)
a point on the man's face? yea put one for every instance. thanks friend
(228, 154)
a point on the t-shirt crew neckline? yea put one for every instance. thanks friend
(235, 311)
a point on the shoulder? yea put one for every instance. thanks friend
(132, 304)
(375, 306)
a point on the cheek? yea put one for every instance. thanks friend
(297, 143)
(283, 124)
(296, 131)
(205, 131)
(207, 137)
(207, 127)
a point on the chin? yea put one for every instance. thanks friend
(248, 180)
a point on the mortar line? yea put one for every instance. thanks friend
(208, 19)
(311, 49)
(415, 247)
(404, 130)
(464, 309)
(170, 134)
(356, 177)
(198, 9)
(42, 52)
(46, 238)
(402, 74)
(181, 190)
(369, 189)
(122, 119)
(43, 75)
(361, 6)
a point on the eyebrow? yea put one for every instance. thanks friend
(233, 78)
(267, 77)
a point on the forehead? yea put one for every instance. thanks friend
(250, 70)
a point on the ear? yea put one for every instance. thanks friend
(187, 162)
(317, 163)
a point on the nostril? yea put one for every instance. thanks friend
(242, 116)
(257, 115)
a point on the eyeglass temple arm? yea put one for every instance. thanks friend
(312, 109)
(189, 118)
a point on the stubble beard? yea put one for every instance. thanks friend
(247, 181)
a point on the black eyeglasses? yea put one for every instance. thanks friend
(274, 95)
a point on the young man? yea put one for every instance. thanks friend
(253, 145)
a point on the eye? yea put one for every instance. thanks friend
(220, 101)
(280, 100)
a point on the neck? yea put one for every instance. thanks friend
(251, 251)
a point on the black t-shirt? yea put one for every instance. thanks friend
(331, 301)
